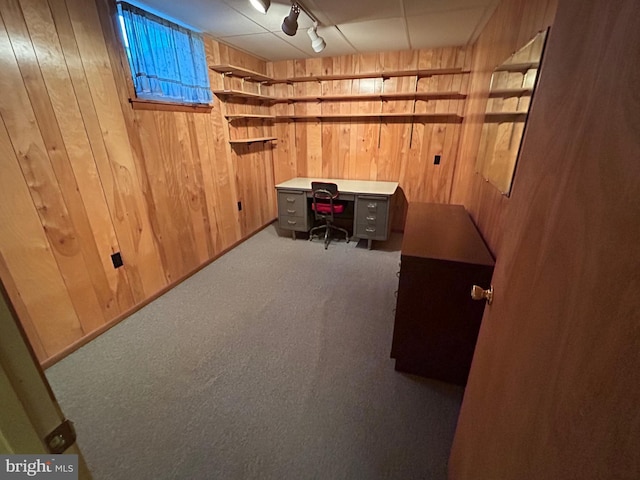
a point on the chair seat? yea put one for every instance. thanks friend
(326, 208)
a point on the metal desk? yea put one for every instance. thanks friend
(371, 200)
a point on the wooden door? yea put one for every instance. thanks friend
(29, 409)
(554, 388)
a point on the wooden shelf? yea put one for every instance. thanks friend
(241, 94)
(375, 96)
(517, 67)
(236, 71)
(428, 72)
(238, 116)
(434, 117)
(492, 117)
(354, 76)
(510, 92)
(227, 69)
(252, 140)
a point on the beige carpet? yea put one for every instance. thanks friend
(271, 363)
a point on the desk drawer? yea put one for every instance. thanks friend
(292, 204)
(371, 217)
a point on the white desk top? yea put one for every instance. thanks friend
(344, 186)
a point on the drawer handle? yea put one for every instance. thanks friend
(290, 211)
(371, 218)
(291, 222)
(291, 199)
(370, 229)
(372, 206)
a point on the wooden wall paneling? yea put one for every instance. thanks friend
(164, 202)
(368, 130)
(21, 309)
(313, 129)
(188, 135)
(224, 177)
(284, 154)
(494, 45)
(342, 65)
(172, 159)
(119, 279)
(43, 159)
(139, 248)
(201, 124)
(27, 253)
(77, 172)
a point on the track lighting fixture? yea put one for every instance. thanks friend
(261, 5)
(290, 23)
(290, 26)
(317, 43)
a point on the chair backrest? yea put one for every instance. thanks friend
(319, 190)
(324, 193)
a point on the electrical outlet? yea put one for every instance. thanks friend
(116, 258)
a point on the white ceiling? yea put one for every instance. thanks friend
(348, 26)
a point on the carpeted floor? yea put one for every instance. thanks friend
(271, 363)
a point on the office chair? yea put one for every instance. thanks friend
(324, 208)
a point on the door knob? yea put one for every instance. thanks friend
(479, 293)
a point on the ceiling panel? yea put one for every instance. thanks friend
(265, 45)
(419, 7)
(336, 45)
(272, 20)
(350, 11)
(377, 35)
(349, 26)
(445, 28)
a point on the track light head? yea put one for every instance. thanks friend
(261, 5)
(317, 42)
(290, 23)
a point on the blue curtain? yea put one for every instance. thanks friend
(167, 61)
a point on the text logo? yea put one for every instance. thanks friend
(52, 467)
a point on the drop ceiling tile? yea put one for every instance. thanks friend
(334, 12)
(336, 45)
(213, 17)
(419, 7)
(444, 29)
(272, 20)
(376, 35)
(268, 46)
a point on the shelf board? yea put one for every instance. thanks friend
(443, 117)
(238, 116)
(241, 94)
(505, 116)
(375, 96)
(228, 69)
(517, 67)
(252, 140)
(510, 92)
(241, 72)
(388, 74)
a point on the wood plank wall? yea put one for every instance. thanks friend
(85, 176)
(399, 150)
(511, 26)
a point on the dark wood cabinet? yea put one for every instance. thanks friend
(437, 322)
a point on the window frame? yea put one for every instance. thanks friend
(142, 103)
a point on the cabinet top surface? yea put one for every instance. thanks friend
(444, 232)
(345, 186)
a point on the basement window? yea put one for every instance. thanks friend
(168, 62)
